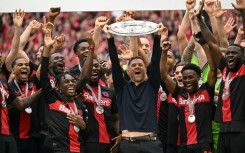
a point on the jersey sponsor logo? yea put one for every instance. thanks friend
(200, 98)
(64, 109)
(89, 98)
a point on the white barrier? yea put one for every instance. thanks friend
(97, 5)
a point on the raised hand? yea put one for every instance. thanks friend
(164, 33)
(130, 14)
(59, 42)
(209, 7)
(53, 12)
(240, 31)
(48, 41)
(127, 53)
(35, 24)
(230, 24)
(240, 5)
(161, 27)
(89, 37)
(218, 10)
(18, 17)
(190, 4)
(166, 45)
(198, 12)
(106, 29)
(46, 26)
(101, 21)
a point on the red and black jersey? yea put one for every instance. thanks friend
(173, 121)
(233, 108)
(75, 71)
(22, 124)
(62, 135)
(200, 131)
(100, 127)
(162, 112)
(4, 119)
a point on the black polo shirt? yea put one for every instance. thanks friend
(137, 104)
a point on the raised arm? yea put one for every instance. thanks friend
(87, 66)
(223, 42)
(168, 81)
(99, 23)
(240, 6)
(183, 42)
(53, 13)
(208, 36)
(18, 17)
(212, 74)
(26, 34)
(155, 76)
(239, 35)
(117, 74)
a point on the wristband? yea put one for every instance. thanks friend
(201, 41)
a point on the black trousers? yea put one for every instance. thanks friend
(197, 148)
(29, 145)
(233, 142)
(7, 144)
(142, 146)
(97, 148)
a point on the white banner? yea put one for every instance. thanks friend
(97, 5)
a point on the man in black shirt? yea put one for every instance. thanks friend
(137, 99)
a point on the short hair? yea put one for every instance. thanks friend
(239, 46)
(77, 43)
(62, 75)
(133, 58)
(14, 62)
(193, 67)
(180, 63)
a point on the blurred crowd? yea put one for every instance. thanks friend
(74, 24)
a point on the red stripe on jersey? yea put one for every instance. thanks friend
(102, 83)
(25, 120)
(178, 139)
(4, 121)
(226, 108)
(73, 135)
(158, 103)
(104, 137)
(191, 129)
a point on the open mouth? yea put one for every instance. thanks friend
(71, 89)
(23, 72)
(230, 62)
(61, 66)
(190, 1)
(137, 73)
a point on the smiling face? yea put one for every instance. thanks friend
(67, 86)
(146, 46)
(137, 71)
(82, 50)
(190, 80)
(233, 57)
(95, 76)
(178, 76)
(21, 69)
(57, 63)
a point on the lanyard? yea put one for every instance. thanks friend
(2, 91)
(16, 84)
(191, 104)
(75, 106)
(98, 101)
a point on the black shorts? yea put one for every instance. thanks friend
(197, 148)
(7, 144)
(233, 142)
